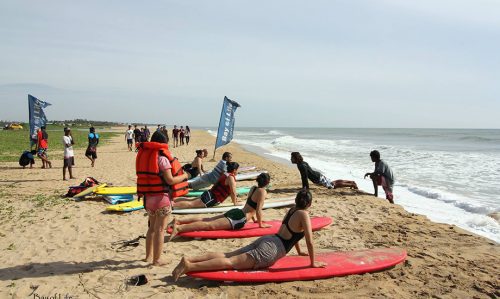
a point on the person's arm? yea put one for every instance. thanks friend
(171, 180)
(303, 176)
(261, 196)
(232, 186)
(306, 224)
(202, 170)
(97, 137)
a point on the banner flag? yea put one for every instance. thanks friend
(226, 123)
(37, 116)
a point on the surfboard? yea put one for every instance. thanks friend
(239, 191)
(89, 191)
(115, 199)
(248, 175)
(293, 268)
(224, 207)
(116, 190)
(251, 229)
(126, 206)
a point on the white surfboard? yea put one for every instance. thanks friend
(224, 207)
(249, 175)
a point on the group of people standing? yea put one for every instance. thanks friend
(42, 145)
(180, 136)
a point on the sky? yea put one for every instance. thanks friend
(351, 63)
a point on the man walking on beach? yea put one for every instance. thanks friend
(381, 176)
(41, 147)
(68, 154)
(129, 136)
(175, 134)
(137, 135)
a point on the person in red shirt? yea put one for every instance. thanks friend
(42, 146)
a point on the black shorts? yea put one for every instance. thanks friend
(129, 141)
(208, 199)
(91, 152)
(68, 162)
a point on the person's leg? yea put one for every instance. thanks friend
(388, 194)
(150, 238)
(197, 203)
(241, 262)
(211, 224)
(344, 183)
(158, 239)
(375, 184)
(64, 171)
(70, 168)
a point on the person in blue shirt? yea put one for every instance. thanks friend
(91, 152)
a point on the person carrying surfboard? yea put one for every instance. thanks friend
(307, 173)
(266, 250)
(224, 187)
(233, 219)
(156, 182)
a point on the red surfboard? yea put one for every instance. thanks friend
(292, 268)
(251, 229)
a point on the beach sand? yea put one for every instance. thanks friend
(58, 247)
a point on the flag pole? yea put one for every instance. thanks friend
(215, 145)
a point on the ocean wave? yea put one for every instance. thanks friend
(447, 198)
(275, 132)
(478, 139)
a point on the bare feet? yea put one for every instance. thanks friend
(159, 263)
(175, 231)
(171, 224)
(65, 179)
(72, 177)
(50, 164)
(180, 269)
(148, 259)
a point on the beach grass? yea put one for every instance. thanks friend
(14, 142)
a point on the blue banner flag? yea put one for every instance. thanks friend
(37, 116)
(226, 122)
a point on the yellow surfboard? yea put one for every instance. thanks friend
(126, 206)
(89, 191)
(116, 190)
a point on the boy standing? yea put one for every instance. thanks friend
(129, 136)
(69, 159)
(381, 176)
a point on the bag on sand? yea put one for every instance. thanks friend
(87, 183)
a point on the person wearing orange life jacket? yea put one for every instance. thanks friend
(156, 183)
(224, 187)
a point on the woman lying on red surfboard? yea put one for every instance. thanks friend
(266, 250)
(233, 219)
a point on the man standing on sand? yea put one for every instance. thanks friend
(68, 154)
(129, 136)
(175, 134)
(381, 176)
(181, 135)
(137, 135)
(146, 134)
(41, 147)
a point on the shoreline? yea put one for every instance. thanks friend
(68, 247)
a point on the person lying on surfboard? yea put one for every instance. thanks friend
(266, 250)
(224, 187)
(233, 219)
(211, 177)
(307, 173)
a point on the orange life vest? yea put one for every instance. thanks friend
(149, 178)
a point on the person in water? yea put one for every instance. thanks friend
(224, 187)
(211, 177)
(381, 176)
(233, 219)
(266, 250)
(158, 206)
(196, 167)
(307, 173)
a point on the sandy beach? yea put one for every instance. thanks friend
(58, 247)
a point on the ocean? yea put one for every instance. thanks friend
(449, 175)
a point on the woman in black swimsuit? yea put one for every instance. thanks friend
(266, 250)
(233, 219)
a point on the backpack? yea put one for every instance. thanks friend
(87, 183)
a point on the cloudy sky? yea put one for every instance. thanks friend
(351, 63)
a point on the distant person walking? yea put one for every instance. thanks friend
(165, 132)
(146, 134)
(42, 147)
(129, 137)
(181, 135)
(307, 173)
(175, 134)
(381, 176)
(69, 159)
(137, 135)
(158, 128)
(187, 134)
(91, 152)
